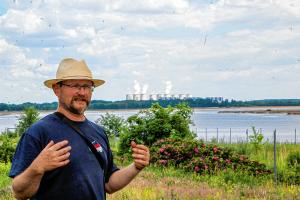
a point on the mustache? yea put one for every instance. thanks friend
(81, 98)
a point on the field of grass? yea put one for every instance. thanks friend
(170, 183)
(265, 153)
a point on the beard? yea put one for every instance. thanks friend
(71, 107)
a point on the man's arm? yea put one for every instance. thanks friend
(122, 177)
(51, 157)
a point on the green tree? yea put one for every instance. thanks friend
(256, 139)
(112, 124)
(29, 116)
(156, 123)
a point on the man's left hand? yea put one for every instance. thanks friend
(141, 155)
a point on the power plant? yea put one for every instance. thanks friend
(144, 97)
(139, 93)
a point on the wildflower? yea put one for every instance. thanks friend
(215, 158)
(163, 162)
(215, 149)
(167, 153)
(242, 158)
(196, 150)
(197, 169)
(161, 150)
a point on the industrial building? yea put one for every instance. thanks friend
(144, 97)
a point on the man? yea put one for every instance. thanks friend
(53, 161)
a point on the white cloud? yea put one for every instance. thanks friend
(202, 48)
(26, 22)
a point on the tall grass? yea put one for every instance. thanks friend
(265, 153)
(155, 183)
(5, 181)
(171, 183)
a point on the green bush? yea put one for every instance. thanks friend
(155, 123)
(293, 159)
(7, 148)
(196, 156)
(112, 124)
(29, 116)
(8, 141)
(292, 175)
(256, 139)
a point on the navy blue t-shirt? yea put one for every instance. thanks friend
(82, 178)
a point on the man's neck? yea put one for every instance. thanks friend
(71, 116)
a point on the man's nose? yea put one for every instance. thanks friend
(82, 90)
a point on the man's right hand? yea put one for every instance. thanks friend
(52, 157)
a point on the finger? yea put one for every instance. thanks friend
(50, 144)
(140, 146)
(133, 144)
(63, 157)
(139, 156)
(63, 163)
(139, 151)
(59, 145)
(63, 150)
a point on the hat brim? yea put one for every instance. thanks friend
(51, 82)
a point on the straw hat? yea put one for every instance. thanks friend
(70, 68)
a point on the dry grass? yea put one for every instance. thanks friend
(152, 186)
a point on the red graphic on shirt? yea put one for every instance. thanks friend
(98, 147)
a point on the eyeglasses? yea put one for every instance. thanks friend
(78, 87)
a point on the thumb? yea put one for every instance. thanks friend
(133, 144)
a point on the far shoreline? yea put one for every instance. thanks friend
(290, 110)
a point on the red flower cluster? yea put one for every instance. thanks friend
(200, 158)
(215, 149)
(196, 150)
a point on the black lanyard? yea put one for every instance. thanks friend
(87, 141)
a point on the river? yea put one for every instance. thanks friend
(209, 124)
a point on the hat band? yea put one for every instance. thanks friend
(75, 77)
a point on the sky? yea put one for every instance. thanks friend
(236, 49)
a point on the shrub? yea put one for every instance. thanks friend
(112, 124)
(29, 116)
(256, 139)
(292, 175)
(293, 159)
(156, 123)
(7, 148)
(201, 158)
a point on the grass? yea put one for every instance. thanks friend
(156, 183)
(265, 154)
(5, 181)
(170, 183)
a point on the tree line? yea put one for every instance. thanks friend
(131, 104)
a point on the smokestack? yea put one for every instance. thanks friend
(145, 88)
(137, 87)
(168, 87)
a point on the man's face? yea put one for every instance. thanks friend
(74, 95)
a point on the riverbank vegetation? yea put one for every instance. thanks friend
(183, 167)
(195, 102)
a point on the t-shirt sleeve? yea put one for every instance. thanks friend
(27, 150)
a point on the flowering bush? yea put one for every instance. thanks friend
(196, 156)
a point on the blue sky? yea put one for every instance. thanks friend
(236, 49)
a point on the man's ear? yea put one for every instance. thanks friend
(56, 89)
